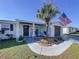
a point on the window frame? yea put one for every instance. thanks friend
(11, 27)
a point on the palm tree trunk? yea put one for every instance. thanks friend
(47, 27)
(47, 20)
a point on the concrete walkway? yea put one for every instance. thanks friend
(53, 50)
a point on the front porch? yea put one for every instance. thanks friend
(29, 29)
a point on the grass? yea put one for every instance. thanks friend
(8, 43)
(75, 34)
(22, 51)
(72, 34)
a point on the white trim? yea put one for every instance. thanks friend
(17, 30)
(33, 29)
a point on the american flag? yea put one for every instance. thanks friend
(64, 19)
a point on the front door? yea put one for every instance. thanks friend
(25, 30)
(57, 30)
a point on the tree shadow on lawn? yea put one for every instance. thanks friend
(9, 43)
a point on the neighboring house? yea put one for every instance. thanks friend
(28, 28)
(68, 30)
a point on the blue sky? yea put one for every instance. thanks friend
(26, 9)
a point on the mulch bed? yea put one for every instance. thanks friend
(45, 41)
(48, 41)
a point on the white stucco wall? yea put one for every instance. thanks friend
(14, 30)
(74, 30)
(52, 29)
(65, 30)
(21, 29)
(61, 30)
(7, 25)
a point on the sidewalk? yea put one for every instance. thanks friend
(53, 50)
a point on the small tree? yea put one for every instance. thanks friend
(46, 13)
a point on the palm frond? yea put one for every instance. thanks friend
(47, 10)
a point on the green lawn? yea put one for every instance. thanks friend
(8, 43)
(72, 34)
(75, 34)
(13, 50)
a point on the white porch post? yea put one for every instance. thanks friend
(51, 31)
(0, 26)
(33, 30)
(17, 30)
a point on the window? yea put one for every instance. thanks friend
(11, 27)
(3, 31)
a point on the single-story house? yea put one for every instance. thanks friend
(29, 28)
(68, 30)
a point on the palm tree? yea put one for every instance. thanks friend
(46, 13)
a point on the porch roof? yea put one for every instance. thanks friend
(30, 22)
(38, 22)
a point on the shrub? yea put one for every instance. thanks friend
(21, 38)
(59, 38)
